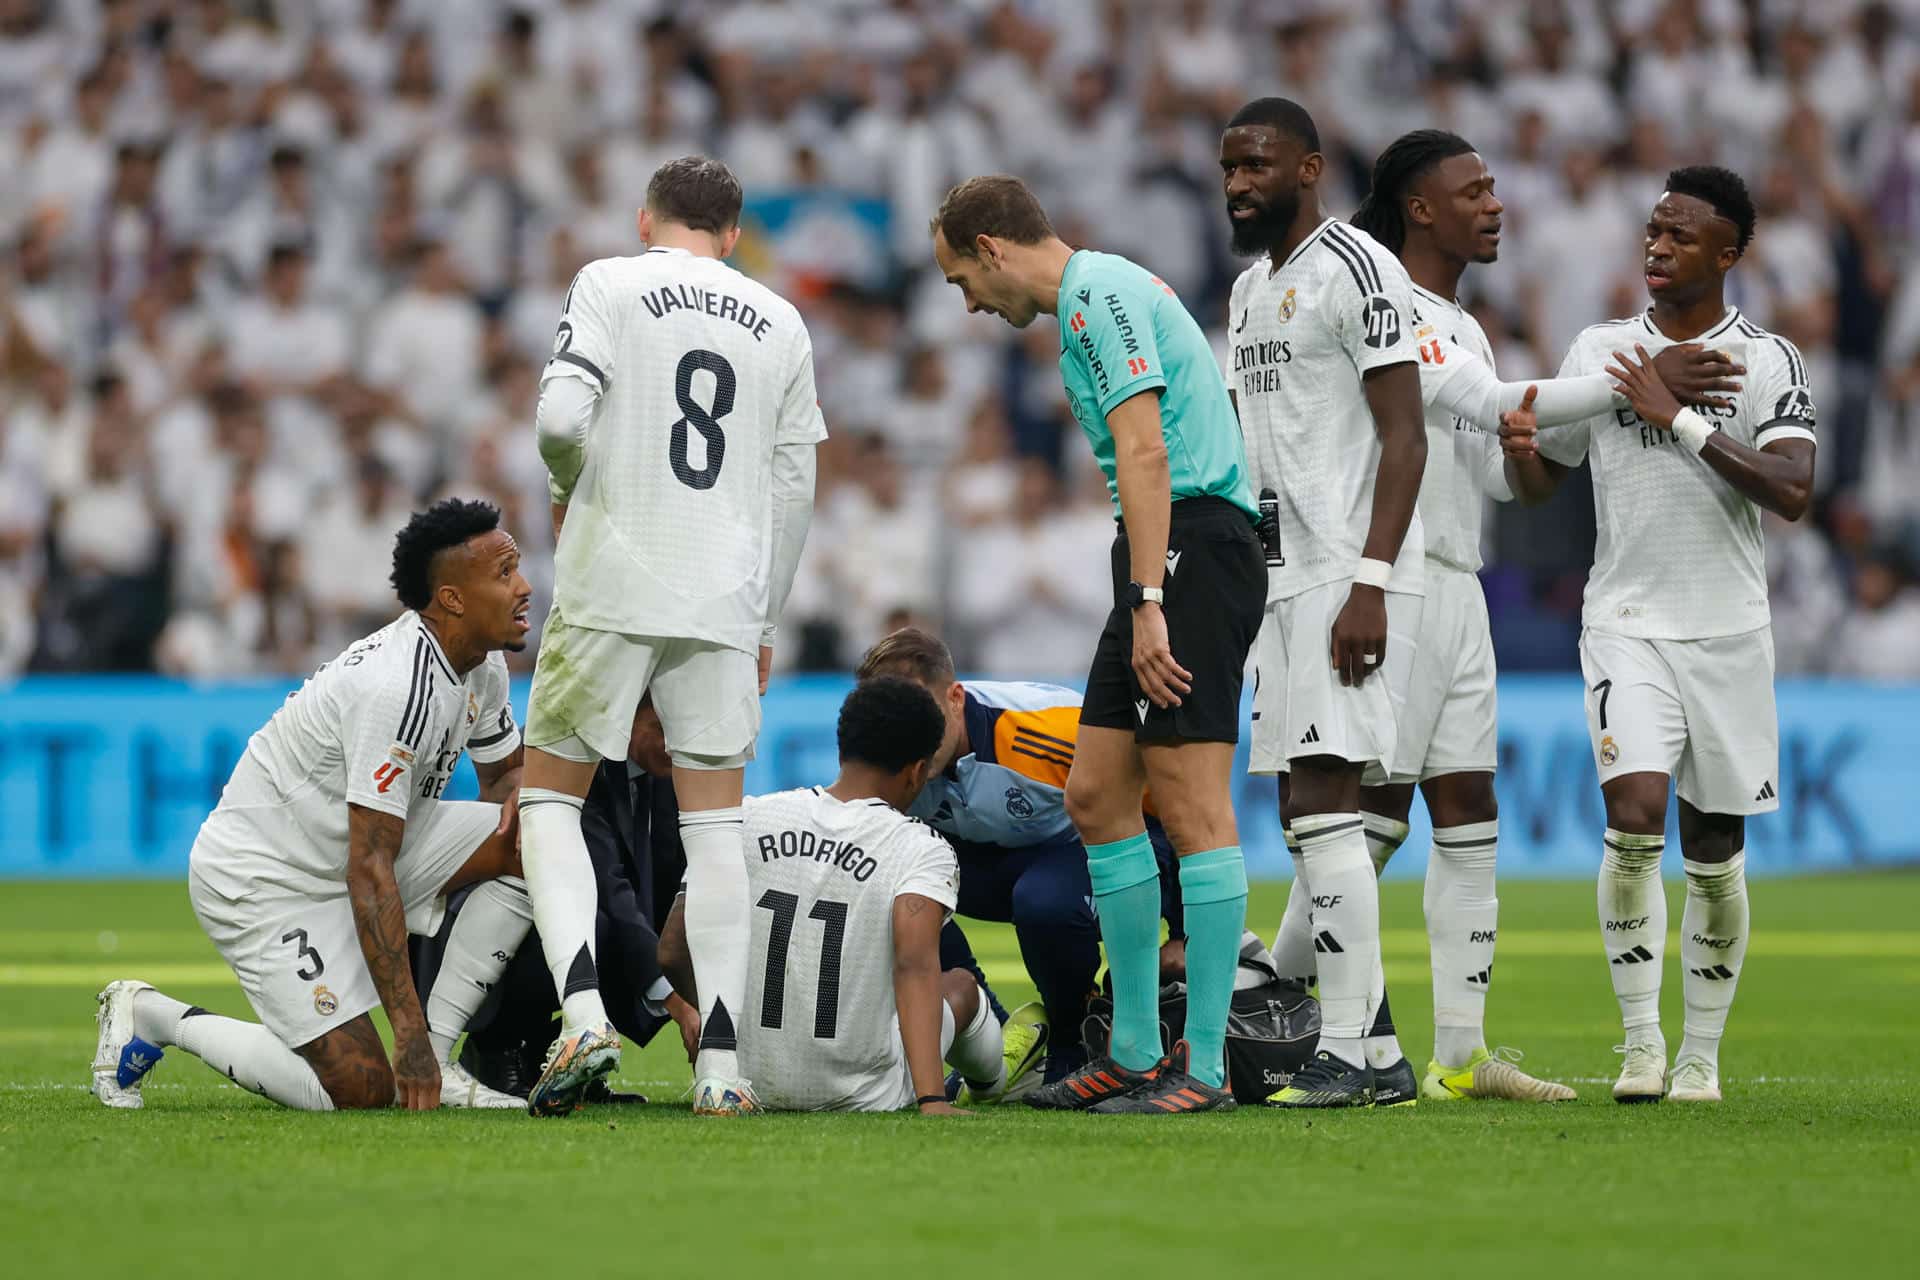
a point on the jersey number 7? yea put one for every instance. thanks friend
(773, 998)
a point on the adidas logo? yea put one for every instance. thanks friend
(1482, 978)
(1324, 942)
(1173, 561)
(1638, 955)
(1311, 735)
(1718, 973)
(1141, 706)
(1767, 792)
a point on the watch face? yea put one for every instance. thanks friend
(1135, 597)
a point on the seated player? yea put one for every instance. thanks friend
(847, 1008)
(998, 793)
(632, 828)
(330, 844)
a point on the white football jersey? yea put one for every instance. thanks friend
(1461, 455)
(381, 726)
(1679, 554)
(820, 1032)
(701, 371)
(1303, 335)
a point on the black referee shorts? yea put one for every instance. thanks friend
(1216, 585)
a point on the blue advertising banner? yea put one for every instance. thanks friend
(111, 776)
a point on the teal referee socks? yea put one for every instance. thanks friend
(1126, 893)
(1213, 889)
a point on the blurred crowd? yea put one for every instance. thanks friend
(276, 272)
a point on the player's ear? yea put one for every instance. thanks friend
(1419, 211)
(987, 249)
(448, 597)
(1310, 166)
(644, 220)
(728, 239)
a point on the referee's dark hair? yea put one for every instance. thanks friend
(997, 205)
(1283, 115)
(1407, 159)
(1724, 189)
(889, 723)
(441, 527)
(698, 192)
(911, 652)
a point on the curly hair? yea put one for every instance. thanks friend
(889, 722)
(444, 525)
(1724, 190)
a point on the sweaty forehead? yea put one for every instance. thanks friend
(1255, 139)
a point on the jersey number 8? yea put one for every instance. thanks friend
(702, 418)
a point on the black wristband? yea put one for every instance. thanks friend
(925, 1098)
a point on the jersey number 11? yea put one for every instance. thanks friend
(773, 998)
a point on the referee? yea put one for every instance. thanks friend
(1162, 707)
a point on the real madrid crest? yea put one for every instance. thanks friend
(1286, 307)
(1608, 751)
(325, 1003)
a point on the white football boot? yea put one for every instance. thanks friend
(1643, 1075)
(121, 1060)
(1694, 1080)
(459, 1089)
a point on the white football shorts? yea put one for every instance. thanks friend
(1450, 724)
(1300, 708)
(587, 685)
(1700, 711)
(297, 955)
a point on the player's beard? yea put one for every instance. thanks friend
(1267, 227)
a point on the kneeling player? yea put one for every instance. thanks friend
(847, 1009)
(330, 845)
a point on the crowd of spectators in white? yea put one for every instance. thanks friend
(276, 272)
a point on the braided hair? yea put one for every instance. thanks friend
(1407, 159)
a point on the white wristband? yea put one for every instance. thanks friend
(1373, 573)
(1692, 429)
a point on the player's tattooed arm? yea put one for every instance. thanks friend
(380, 916)
(1778, 477)
(916, 993)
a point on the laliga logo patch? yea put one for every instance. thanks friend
(1608, 751)
(1287, 307)
(325, 1003)
(1018, 806)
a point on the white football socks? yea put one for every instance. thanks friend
(566, 901)
(1382, 1042)
(1713, 944)
(1293, 945)
(492, 923)
(1346, 927)
(247, 1054)
(1462, 918)
(1633, 927)
(719, 932)
(978, 1052)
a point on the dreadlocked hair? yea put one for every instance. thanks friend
(1407, 159)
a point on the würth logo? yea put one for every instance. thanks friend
(1078, 322)
(1136, 366)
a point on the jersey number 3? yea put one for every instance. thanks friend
(773, 998)
(705, 419)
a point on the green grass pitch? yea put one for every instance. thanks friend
(1809, 1163)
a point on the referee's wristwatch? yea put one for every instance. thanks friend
(1137, 595)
